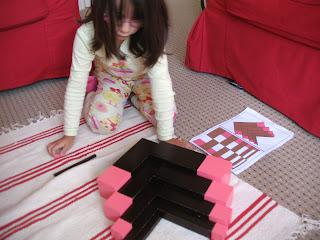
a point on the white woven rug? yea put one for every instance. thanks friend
(36, 205)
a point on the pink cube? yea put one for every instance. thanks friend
(111, 180)
(219, 232)
(221, 214)
(120, 229)
(219, 193)
(215, 168)
(116, 205)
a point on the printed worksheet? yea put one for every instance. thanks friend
(243, 140)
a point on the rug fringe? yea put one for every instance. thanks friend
(307, 225)
(40, 117)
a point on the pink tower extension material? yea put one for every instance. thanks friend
(153, 181)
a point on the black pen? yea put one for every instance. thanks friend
(233, 83)
(76, 164)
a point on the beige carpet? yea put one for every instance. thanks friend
(290, 174)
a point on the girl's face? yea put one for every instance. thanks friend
(128, 25)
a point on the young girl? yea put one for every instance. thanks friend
(125, 40)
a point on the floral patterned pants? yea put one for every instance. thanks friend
(103, 108)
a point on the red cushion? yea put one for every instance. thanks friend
(291, 19)
(42, 49)
(15, 13)
(280, 72)
(311, 2)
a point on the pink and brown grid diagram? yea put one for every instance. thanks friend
(252, 130)
(229, 147)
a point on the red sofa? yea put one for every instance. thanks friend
(269, 47)
(36, 40)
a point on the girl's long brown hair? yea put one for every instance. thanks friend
(148, 42)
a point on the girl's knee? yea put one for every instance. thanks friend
(102, 117)
(101, 125)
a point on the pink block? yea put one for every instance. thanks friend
(111, 180)
(219, 193)
(226, 134)
(215, 168)
(120, 229)
(199, 142)
(221, 214)
(116, 205)
(238, 141)
(219, 232)
(271, 134)
(261, 124)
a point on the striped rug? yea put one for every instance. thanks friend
(36, 205)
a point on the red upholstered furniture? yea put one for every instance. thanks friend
(36, 40)
(270, 47)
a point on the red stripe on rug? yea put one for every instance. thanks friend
(78, 151)
(107, 236)
(101, 233)
(46, 205)
(44, 217)
(63, 157)
(77, 156)
(255, 203)
(29, 138)
(39, 136)
(249, 218)
(34, 138)
(257, 221)
(70, 199)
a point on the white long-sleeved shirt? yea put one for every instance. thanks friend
(82, 58)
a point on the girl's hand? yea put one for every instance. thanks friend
(59, 147)
(180, 142)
